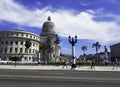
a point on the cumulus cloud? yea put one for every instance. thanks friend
(67, 22)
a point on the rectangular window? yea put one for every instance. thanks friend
(5, 50)
(25, 58)
(33, 50)
(21, 50)
(30, 58)
(17, 34)
(1, 50)
(22, 34)
(10, 50)
(16, 50)
(26, 35)
(6, 42)
(16, 42)
(30, 51)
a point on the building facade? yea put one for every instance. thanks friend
(44, 48)
(115, 51)
(50, 43)
(12, 43)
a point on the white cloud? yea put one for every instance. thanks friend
(67, 23)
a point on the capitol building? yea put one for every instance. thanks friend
(44, 48)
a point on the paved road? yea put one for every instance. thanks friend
(40, 78)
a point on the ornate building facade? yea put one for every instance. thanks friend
(44, 48)
(12, 43)
(50, 43)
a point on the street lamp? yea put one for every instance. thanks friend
(72, 41)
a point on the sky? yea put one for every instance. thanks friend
(90, 20)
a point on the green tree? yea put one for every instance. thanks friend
(97, 47)
(44, 48)
(84, 49)
(27, 45)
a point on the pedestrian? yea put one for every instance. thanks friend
(64, 64)
(92, 64)
(115, 63)
(80, 63)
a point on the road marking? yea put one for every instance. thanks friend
(60, 77)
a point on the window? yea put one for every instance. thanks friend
(25, 58)
(33, 50)
(30, 36)
(16, 42)
(21, 50)
(21, 43)
(17, 34)
(22, 34)
(10, 50)
(26, 35)
(6, 42)
(16, 50)
(11, 42)
(29, 58)
(5, 50)
(1, 50)
(30, 51)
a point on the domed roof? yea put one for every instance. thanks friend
(48, 27)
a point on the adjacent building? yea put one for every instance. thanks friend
(12, 43)
(115, 51)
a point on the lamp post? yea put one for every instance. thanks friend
(72, 41)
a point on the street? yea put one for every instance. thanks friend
(57, 78)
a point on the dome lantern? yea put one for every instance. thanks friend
(48, 27)
(49, 18)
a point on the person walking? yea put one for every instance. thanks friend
(92, 64)
(64, 64)
(115, 63)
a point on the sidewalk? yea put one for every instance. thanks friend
(42, 67)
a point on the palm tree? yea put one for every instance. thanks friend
(97, 47)
(84, 48)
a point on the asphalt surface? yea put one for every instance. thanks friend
(54, 78)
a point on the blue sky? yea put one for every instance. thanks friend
(90, 20)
